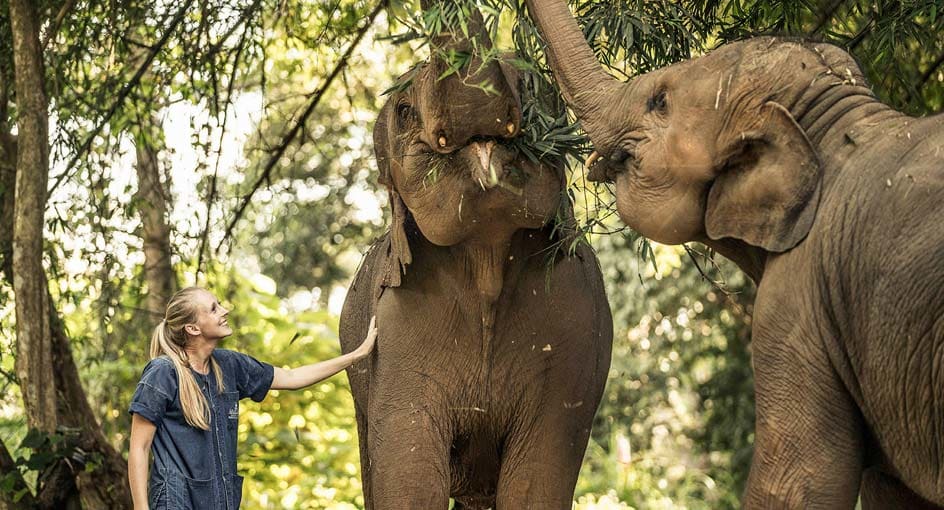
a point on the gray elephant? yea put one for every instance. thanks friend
(776, 154)
(490, 362)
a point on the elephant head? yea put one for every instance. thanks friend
(444, 148)
(709, 148)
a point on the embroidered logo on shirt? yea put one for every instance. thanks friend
(234, 412)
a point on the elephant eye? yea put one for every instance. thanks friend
(657, 103)
(404, 112)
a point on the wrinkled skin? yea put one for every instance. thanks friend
(776, 154)
(490, 363)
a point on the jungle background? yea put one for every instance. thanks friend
(149, 145)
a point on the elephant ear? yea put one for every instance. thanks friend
(398, 252)
(768, 190)
(397, 249)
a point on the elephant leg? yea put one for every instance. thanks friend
(884, 492)
(809, 440)
(409, 463)
(365, 457)
(540, 467)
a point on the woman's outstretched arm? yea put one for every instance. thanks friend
(307, 375)
(142, 433)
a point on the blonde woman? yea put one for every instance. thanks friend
(186, 407)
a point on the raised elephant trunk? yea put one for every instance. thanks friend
(453, 38)
(586, 87)
(483, 103)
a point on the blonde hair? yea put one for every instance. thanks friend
(169, 339)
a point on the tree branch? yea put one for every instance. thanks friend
(299, 125)
(240, 47)
(122, 95)
(57, 23)
(930, 72)
(857, 39)
(826, 15)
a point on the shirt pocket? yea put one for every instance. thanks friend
(191, 494)
(157, 496)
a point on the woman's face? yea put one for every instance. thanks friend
(211, 320)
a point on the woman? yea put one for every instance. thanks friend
(186, 407)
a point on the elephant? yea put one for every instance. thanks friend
(494, 342)
(775, 153)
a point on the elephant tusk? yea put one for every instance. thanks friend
(591, 159)
(510, 127)
(442, 141)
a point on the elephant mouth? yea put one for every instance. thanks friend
(487, 164)
(604, 165)
(604, 171)
(493, 165)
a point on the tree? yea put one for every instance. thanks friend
(151, 201)
(34, 346)
(8, 466)
(310, 151)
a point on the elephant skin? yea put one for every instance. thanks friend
(490, 361)
(775, 153)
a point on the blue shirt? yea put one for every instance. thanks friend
(195, 469)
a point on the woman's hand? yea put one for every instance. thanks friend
(368, 344)
(295, 378)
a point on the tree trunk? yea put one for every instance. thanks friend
(7, 189)
(48, 377)
(8, 162)
(107, 485)
(7, 184)
(34, 343)
(151, 202)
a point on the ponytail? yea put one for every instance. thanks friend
(169, 339)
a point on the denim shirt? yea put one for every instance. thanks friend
(195, 469)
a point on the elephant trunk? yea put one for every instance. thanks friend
(453, 38)
(586, 87)
(489, 107)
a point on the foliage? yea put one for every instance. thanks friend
(297, 449)
(632, 37)
(307, 228)
(675, 427)
(44, 450)
(898, 44)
